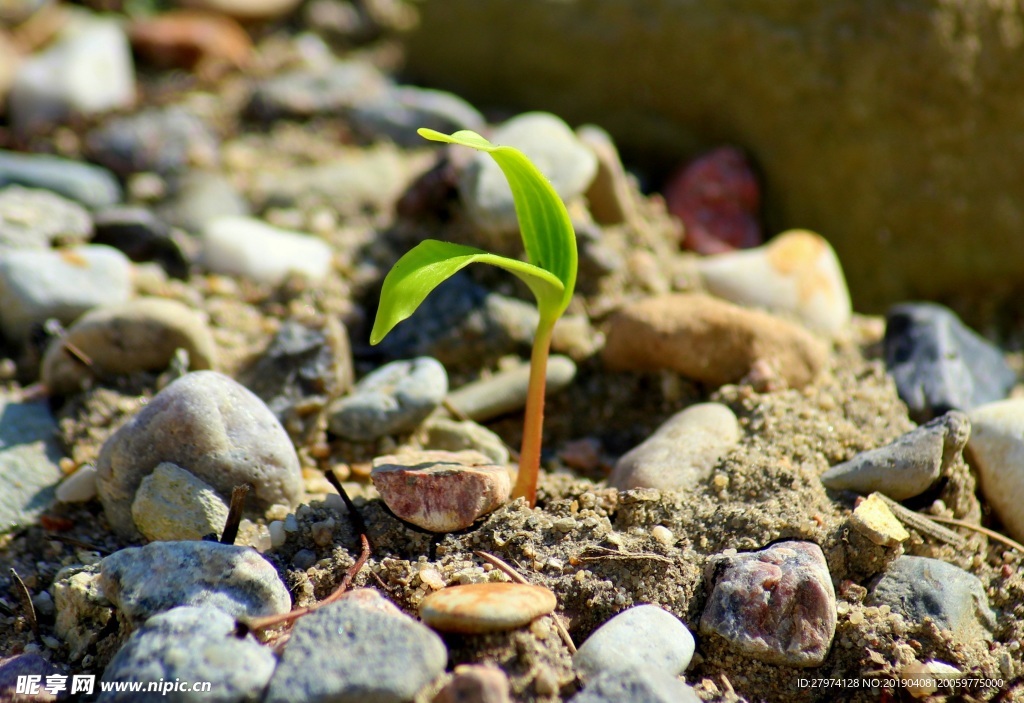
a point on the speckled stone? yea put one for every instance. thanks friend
(909, 465)
(486, 607)
(347, 652)
(440, 491)
(36, 219)
(162, 140)
(191, 644)
(232, 438)
(29, 452)
(682, 452)
(645, 635)
(777, 604)
(144, 581)
(996, 449)
(639, 685)
(172, 504)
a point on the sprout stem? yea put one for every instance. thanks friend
(533, 422)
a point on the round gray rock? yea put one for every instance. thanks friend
(211, 426)
(35, 219)
(194, 645)
(646, 635)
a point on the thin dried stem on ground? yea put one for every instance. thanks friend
(991, 534)
(26, 603)
(238, 496)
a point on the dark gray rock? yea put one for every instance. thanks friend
(940, 364)
(162, 140)
(194, 645)
(921, 587)
(777, 604)
(637, 685)
(141, 236)
(37, 219)
(401, 110)
(329, 91)
(90, 185)
(907, 466)
(348, 652)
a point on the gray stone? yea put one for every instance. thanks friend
(454, 436)
(161, 140)
(90, 185)
(799, 86)
(63, 284)
(909, 465)
(208, 425)
(777, 604)
(83, 612)
(611, 196)
(139, 335)
(394, 399)
(37, 219)
(645, 635)
(921, 587)
(29, 456)
(348, 652)
(191, 644)
(144, 581)
(505, 391)
(172, 504)
(330, 91)
(141, 236)
(401, 110)
(244, 246)
(682, 452)
(996, 449)
(638, 685)
(552, 147)
(202, 196)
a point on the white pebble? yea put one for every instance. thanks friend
(245, 246)
(79, 487)
(278, 534)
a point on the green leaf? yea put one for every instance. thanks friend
(543, 220)
(431, 262)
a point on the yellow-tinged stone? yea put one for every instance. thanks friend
(873, 519)
(486, 607)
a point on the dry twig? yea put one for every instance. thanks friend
(26, 602)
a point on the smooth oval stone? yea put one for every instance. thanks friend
(244, 246)
(395, 398)
(996, 448)
(940, 364)
(192, 644)
(646, 635)
(138, 335)
(351, 652)
(777, 604)
(79, 487)
(682, 452)
(440, 491)
(640, 685)
(212, 427)
(90, 185)
(709, 340)
(505, 391)
(36, 219)
(797, 272)
(909, 465)
(172, 504)
(59, 283)
(921, 587)
(486, 607)
(143, 581)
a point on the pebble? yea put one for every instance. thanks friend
(638, 685)
(399, 111)
(192, 644)
(940, 364)
(308, 93)
(454, 436)
(717, 197)
(873, 519)
(83, 612)
(776, 605)
(907, 466)
(38, 219)
(36, 285)
(245, 246)
(796, 273)
(505, 391)
(79, 487)
(160, 140)
(391, 400)
(920, 587)
(87, 71)
(172, 504)
(198, 41)
(351, 652)
(682, 453)
(144, 581)
(709, 340)
(478, 608)
(553, 148)
(141, 236)
(996, 449)
(200, 197)
(247, 10)
(611, 196)
(476, 683)
(139, 335)
(90, 185)
(440, 491)
(29, 452)
(645, 635)
(233, 438)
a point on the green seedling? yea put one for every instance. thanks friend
(549, 272)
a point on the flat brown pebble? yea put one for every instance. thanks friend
(486, 607)
(440, 491)
(710, 341)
